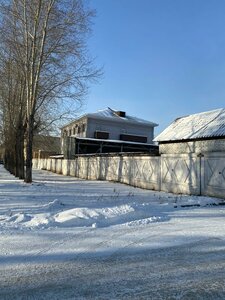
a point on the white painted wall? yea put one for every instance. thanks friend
(117, 128)
(114, 127)
(180, 173)
(203, 147)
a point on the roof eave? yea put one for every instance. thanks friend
(190, 139)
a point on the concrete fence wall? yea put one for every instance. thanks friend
(180, 173)
(213, 175)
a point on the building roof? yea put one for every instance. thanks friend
(114, 141)
(203, 125)
(112, 114)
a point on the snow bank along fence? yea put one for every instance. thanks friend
(181, 173)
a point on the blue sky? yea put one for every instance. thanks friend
(161, 58)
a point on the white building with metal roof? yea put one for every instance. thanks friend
(109, 125)
(197, 133)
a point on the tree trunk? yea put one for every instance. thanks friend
(29, 148)
(20, 152)
(6, 159)
(21, 157)
(15, 160)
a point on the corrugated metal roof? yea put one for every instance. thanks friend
(203, 125)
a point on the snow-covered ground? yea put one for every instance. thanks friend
(67, 238)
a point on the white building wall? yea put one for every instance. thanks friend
(203, 146)
(115, 129)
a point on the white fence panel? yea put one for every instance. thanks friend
(180, 173)
(213, 175)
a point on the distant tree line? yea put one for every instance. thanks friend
(45, 70)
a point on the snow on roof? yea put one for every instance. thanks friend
(112, 113)
(203, 125)
(109, 113)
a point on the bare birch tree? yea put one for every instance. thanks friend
(13, 115)
(48, 42)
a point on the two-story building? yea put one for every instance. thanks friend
(108, 130)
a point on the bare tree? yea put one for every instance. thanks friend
(47, 39)
(13, 115)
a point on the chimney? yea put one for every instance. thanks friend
(121, 113)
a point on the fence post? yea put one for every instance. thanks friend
(201, 172)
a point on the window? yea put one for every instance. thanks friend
(101, 135)
(70, 132)
(78, 129)
(74, 130)
(83, 127)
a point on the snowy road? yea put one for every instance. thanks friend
(66, 238)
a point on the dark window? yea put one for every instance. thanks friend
(78, 129)
(74, 130)
(133, 138)
(101, 135)
(70, 132)
(83, 127)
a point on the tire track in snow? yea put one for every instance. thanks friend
(93, 248)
